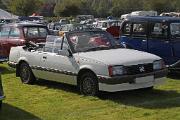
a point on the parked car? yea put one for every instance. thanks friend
(157, 35)
(1, 93)
(64, 21)
(94, 66)
(111, 26)
(104, 24)
(17, 34)
(75, 27)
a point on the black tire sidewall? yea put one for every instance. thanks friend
(92, 79)
(30, 75)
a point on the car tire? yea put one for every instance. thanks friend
(89, 84)
(26, 74)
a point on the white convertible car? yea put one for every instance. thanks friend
(92, 60)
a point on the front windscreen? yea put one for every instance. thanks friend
(92, 41)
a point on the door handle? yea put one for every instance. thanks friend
(144, 40)
(44, 57)
(166, 41)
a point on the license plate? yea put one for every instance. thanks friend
(144, 79)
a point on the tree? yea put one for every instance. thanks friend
(159, 5)
(67, 8)
(24, 7)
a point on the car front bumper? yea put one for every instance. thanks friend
(12, 64)
(130, 82)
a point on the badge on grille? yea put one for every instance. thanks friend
(141, 69)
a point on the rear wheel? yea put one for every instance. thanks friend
(26, 74)
(89, 84)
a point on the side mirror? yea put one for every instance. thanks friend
(64, 53)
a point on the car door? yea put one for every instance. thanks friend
(134, 35)
(59, 67)
(139, 35)
(159, 42)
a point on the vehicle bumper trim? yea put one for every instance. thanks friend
(12, 64)
(131, 78)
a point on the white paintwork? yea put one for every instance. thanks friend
(120, 57)
(146, 82)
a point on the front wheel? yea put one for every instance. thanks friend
(26, 74)
(89, 84)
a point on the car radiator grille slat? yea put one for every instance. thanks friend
(139, 69)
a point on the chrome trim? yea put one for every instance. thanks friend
(54, 70)
(130, 78)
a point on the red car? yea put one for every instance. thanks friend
(17, 34)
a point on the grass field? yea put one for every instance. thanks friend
(54, 101)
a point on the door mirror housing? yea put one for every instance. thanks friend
(64, 53)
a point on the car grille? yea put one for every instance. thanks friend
(139, 69)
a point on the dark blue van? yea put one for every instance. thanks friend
(157, 35)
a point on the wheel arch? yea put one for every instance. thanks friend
(18, 66)
(82, 71)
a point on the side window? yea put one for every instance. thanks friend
(58, 45)
(5, 32)
(139, 29)
(175, 30)
(54, 44)
(31, 32)
(127, 29)
(15, 32)
(42, 32)
(158, 30)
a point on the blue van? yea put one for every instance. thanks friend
(157, 35)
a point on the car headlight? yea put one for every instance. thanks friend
(158, 65)
(116, 70)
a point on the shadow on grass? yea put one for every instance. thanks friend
(57, 85)
(9, 112)
(152, 99)
(6, 70)
(174, 75)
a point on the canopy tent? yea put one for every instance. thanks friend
(6, 15)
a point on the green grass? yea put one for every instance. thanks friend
(54, 101)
